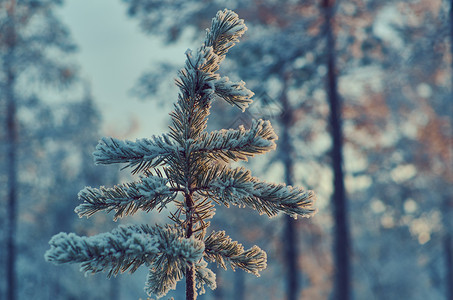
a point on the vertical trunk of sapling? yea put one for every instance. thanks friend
(190, 269)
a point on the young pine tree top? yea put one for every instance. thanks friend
(190, 161)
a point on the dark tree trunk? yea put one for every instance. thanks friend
(289, 234)
(292, 272)
(114, 289)
(339, 204)
(218, 292)
(191, 293)
(448, 264)
(190, 283)
(239, 285)
(447, 205)
(12, 189)
(11, 143)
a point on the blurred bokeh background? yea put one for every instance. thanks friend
(359, 92)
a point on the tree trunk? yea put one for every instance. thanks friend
(114, 289)
(239, 285)
(447, 205)
(448, 264)
(292, 272)
(12, 189)
(191, 293)
(341, 230)
(218, 292)
(289, 234)
(11, 166)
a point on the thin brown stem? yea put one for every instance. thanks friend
(191, 293)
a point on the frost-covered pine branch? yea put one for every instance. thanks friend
(126, 199)
(188, 161)
(221, 249)
(238, 144)
(238, 187)
(127, 247)
(141, 154)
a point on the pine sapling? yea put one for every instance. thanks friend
(190, 161)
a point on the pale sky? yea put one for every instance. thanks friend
(113, 52)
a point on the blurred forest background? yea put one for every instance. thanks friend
(360, 94)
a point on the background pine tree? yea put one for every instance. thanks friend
(192, 162)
